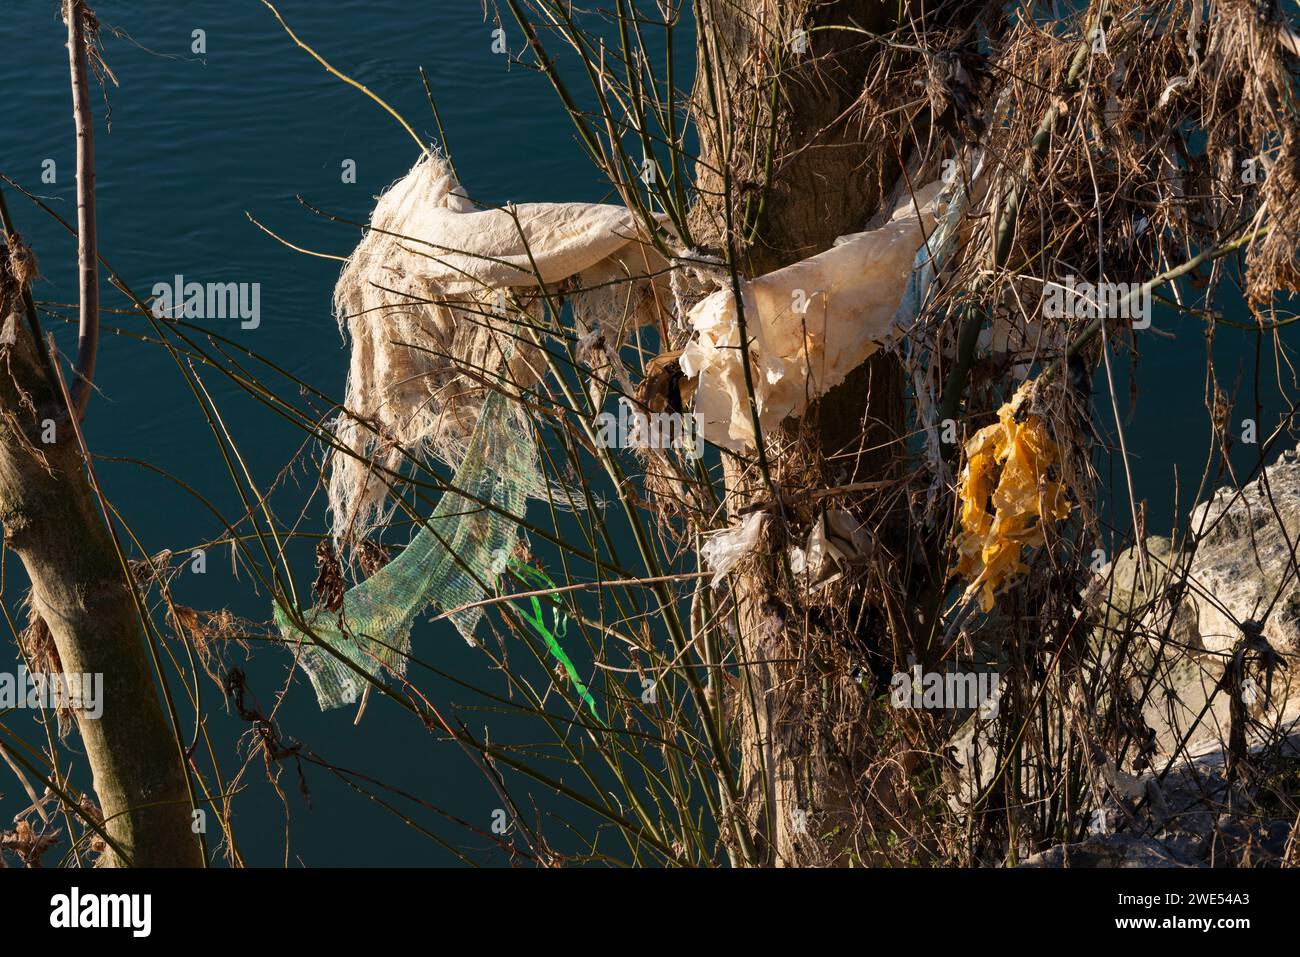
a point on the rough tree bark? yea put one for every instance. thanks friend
(54, 524)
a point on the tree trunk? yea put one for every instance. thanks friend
(806, 165)
(53, 522)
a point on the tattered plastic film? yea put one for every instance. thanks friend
(1007, 494)
(455, 560)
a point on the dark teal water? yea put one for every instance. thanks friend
(196, 141)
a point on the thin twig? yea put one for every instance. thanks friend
(76, 13)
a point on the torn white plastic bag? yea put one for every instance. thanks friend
(809, 325)
(440, 301)
(725, 549)
(837, 540)
(432, 299)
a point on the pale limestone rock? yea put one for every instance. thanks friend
(1246, 556)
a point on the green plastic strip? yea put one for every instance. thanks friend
(559, 625)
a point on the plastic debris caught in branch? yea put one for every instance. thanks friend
(836, 541)
(1007, 493)
(725, 549)
(432, 299)
(809, 325)
(436, 299)
(456, 559)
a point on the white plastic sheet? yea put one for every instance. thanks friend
(809, 325)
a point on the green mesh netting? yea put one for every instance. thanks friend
(456, 559)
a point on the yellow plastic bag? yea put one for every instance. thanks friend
(1006, 496)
